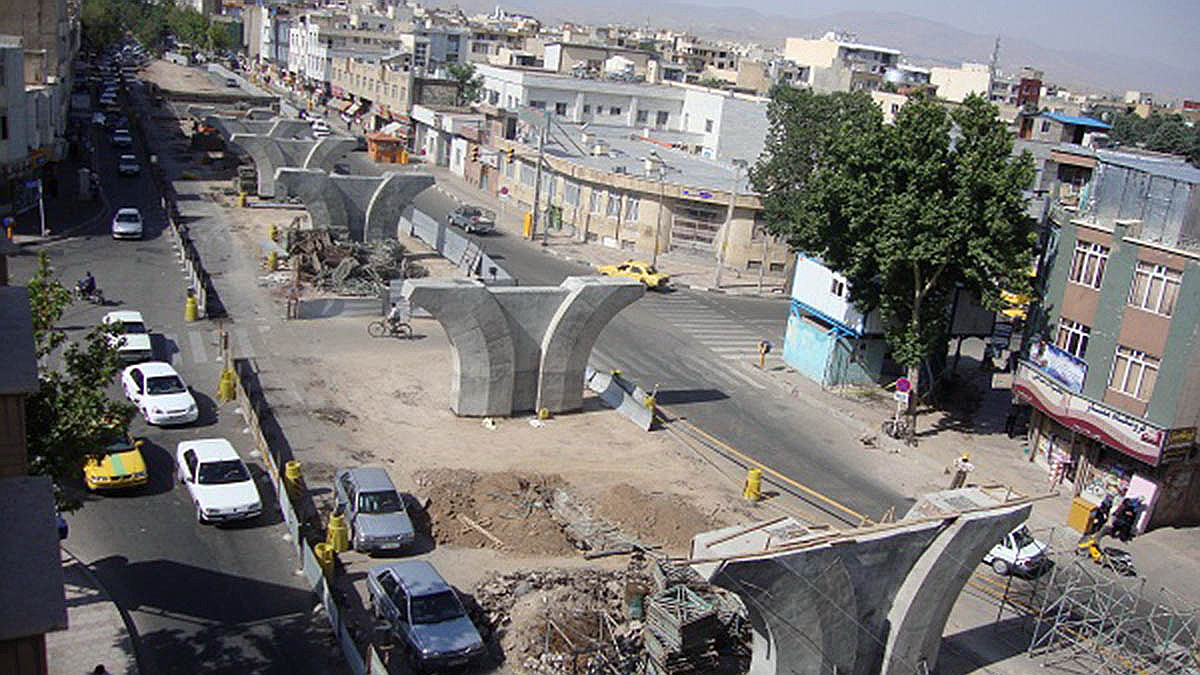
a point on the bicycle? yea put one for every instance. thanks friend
(385, 328)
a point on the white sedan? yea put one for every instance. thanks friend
(159, 393)
(221, 486)
(132, 340)
(127, 224)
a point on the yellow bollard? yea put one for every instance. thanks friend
(404, 157)
(337, 534)
(528, 229)
(325, 557)
(752, 490)
(273, 233)
(190, 312)
(291, 476)
(227, 388)
(543, 413)
(242, 199)
(272, 260)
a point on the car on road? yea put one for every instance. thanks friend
(636, 269)
(231, 82)
(98, 118)
(118, 464)
(472, 219)
(132, 340)
(121, 138)
(1018, 553)
(159, 393)
(127, 224)
(320, 129)
(374, 510)
(127, 165)
(221, 486)
(426, 612)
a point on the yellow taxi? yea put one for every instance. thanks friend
(636, 269)
(120, 465)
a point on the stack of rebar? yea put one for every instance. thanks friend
(681, 632)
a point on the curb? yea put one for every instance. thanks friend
(135, 640)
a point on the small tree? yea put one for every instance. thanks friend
(906, 212)
(70, 417)
(470, 85)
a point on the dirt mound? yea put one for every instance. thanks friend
(654, 518)
(466, 507)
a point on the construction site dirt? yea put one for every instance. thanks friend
(489, 497)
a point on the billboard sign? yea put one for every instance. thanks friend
(1065, 368)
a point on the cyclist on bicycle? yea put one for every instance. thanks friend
(395, 317)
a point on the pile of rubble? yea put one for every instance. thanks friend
(615, 621)
(346, 267)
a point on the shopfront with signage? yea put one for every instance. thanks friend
(1098, 450)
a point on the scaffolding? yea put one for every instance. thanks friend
(1088, 618)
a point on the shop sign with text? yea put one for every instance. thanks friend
(1118, 430)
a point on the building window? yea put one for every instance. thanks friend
(509, 168)
(493, 97)
(1088, 266)
(1155, 288)
(837, 287)
(1133, 373)
(1045, 126)
(571, 193)
(3, 127)
(540, 105)
(1072, 337)
(597, 199)
(587, 109)
(614, 110)
(708, 126)
(631, 208)
(560, 108)
(643, 116)
(662, 117)
(614, 205)
(528, 175)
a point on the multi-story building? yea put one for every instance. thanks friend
(1058, 128)
(837, 63)
(956, 84)
(1114, 383)
(565, 57)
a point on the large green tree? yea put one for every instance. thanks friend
(70, 417)
(470, 85)
(906, 211)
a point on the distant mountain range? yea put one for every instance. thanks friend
(923, 41)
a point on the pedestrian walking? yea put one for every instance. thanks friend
(1100, 515)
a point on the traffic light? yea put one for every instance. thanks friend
(475, 154)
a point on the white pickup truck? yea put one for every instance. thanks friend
(1018, 553)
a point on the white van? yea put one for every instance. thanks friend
(1018, 553)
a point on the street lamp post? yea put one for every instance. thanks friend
(738, 165)
(658, 218)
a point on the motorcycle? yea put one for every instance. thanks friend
(95, 296)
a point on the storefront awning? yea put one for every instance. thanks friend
(345, 105)
(395, 129)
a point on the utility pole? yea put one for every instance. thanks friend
(762, 268)
(738, 164)
(658, 218)
(537, 183)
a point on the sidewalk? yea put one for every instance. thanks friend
(96, 633)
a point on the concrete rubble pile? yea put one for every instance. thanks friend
(589, 620)
(348, 267)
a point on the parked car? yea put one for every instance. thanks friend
(218, 481)
(636, 269)
(231, 82)
(472, 219)
(121, 138)
(118, 465)
(127, 224)
(425, 612)
(133, 341)
(159, 393)
(127, 165)
(374, 510)
(1018, 553)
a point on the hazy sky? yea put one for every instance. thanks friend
(1163, 30)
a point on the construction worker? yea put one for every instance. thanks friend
(962, 467)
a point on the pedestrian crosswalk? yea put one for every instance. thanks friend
(201, 345)
(721, 333)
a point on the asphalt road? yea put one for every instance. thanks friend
(698, 349)
(203, 599)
